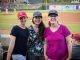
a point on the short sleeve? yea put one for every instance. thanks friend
(66, 31)
(14, 31)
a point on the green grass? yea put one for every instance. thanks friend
(74, 28)
(9, 20)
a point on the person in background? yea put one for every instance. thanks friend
(1, 51)
(58, 42)
(18, 38)
(36, 38)
(76, 47)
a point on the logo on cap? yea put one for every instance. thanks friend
(37, 14)
(53, 12)
(21, 14)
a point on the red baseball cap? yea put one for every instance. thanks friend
(21, 14)
(76, 36)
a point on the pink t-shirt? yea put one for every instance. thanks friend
(57, 47)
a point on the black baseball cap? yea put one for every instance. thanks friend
(37, 14)
(53, 12)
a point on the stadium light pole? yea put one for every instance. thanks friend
(46, 4)
(14, 6)
(6, 6)
(27, 3)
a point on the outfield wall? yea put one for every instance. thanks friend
(64, 7)
(42, 7)
(48, 7)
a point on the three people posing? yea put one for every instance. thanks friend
(57, 37)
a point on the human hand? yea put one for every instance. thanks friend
(46, 57)
(68, 58)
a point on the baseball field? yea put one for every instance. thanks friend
(68, 18)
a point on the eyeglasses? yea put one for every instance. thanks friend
(52, 18)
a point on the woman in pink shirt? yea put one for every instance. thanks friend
(58, 45)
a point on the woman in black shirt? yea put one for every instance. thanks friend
(18, 39)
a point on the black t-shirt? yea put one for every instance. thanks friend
(76, 51)
(21, 40)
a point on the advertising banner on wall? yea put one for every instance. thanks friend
(77, 7)
(69, 7)
(55, 7)
(64, 7)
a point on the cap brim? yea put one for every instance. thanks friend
(53, 14)
(37, 16)
(22, 16)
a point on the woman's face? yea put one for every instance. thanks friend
(52, 19)
(23, 19)
(37, 20)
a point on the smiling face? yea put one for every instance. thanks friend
(52, 19)
(23, 19)
(37, 20)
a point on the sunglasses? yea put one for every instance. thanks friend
(52, 18)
